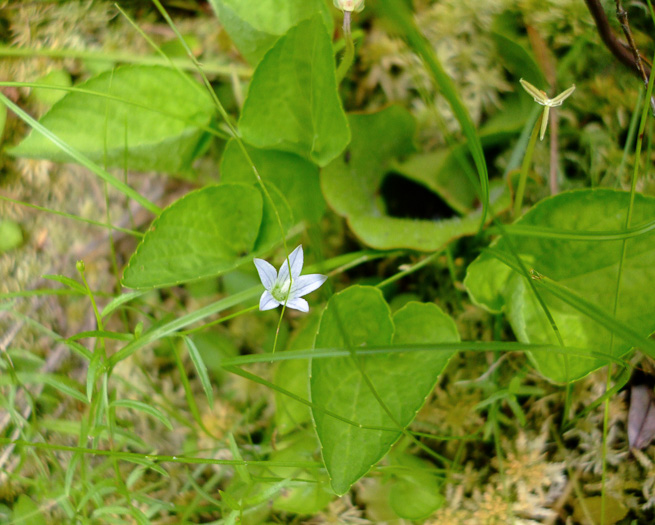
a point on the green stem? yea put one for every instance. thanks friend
(624, 245)
(279, 324)
(348, 57)
(81, 158)
(127, 58)
(527, 161)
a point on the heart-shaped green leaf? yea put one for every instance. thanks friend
(205, 233)
(355, 318)
(292, 102)
(255, 25)
(295, 177)
(151, 114)
(351, 185)
(588, 268)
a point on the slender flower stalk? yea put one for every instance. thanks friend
(540, 97)
(348, 7)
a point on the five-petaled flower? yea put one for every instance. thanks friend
(542, 98)
(287, 286)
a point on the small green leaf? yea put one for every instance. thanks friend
(415, 492)
(255, 26)
(142, 407)
(119, 301)
(203, 234)
(201, 370)
(292, 102)
(67, 281)
(11, 235)
(356, 318)
(63, 384)
(296, 178)
(300, 498)
(3, 121)
(157, 120)
(242, 470)
(588, 269)
(26, 512)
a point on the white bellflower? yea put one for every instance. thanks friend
(287, 286)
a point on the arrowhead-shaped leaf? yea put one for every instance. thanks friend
(295, 177)
(589, 268)
(255, 25)
(151, 114)
(356, 318)
(351, 185)
(292, 102)
(206, 233)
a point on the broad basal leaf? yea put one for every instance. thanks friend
(588, 268)
(255, 25)
(153, 115)
(292, 102)
(356, 318)
(295, 177)
(351, 185)
(205, 233)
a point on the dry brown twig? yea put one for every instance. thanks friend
(628, 54)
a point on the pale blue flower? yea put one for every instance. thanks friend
(280, 288)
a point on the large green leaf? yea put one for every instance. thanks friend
(351, 185)
(152, 114)
(356, 318)
(292, 102)
(205, 233)
(255, 25)
(587, 268)
(295, 177)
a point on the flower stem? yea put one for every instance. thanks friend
(525, 166)
(349, 55)
(279, 323)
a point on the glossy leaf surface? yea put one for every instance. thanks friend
(292, 103)
(587, 268)
(355, 318)
(152, 115)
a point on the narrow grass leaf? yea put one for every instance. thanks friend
(80, 158)
(201, 370)
(142, 407)
(67, 281)
(397, 12)
(65, 385)
(119, 301)
(242, 470)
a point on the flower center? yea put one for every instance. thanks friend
(280, 291)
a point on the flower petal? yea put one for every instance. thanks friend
(296, 260)
(267, 272)
(306, 284)
(267, 301)
(298, 304)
